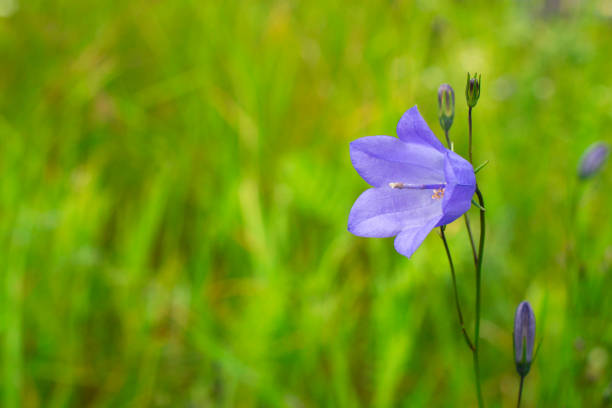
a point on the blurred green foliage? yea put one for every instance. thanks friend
(175, 184)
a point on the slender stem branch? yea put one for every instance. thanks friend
(518, 403)
(457, 305)
(466, 216)
(478, 265)
(448, 142)
(478, 296)
(470, 134)
(477, 376)
(472, 244)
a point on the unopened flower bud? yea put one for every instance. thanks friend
(446, 106)
(472, 90)
(593, 159)
(524, 337)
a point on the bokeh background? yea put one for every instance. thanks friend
(175, 184)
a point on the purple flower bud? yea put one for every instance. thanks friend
(472, 90)
(446, 106)
(524, 337)
(593, 159)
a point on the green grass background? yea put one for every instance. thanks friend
(175, 184)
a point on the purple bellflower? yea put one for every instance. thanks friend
(524, 337)
(418, 184)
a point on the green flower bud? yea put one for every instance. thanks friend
(446, 106)
(472, 90)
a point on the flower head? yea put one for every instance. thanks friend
(446, 106)
(472, 90)
(524, 337)
(417, 183)
(593, 159)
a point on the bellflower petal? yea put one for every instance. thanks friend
(461, 183)
(412, 128)
(418, 184)
(384, 212)
(380, 160)
(411, 238)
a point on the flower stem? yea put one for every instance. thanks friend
(470, 134)
(448, 142)
(465, 216)
(472, 244)
(457, 305)
(478, 296)
(478, 265)
(518, 403)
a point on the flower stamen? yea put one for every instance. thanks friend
(438, 193)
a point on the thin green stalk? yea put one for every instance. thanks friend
(472, 244)
(457, 305)
(518, 403)
(465, 216)
(470, 134)
(478, 265)
(478, 297)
